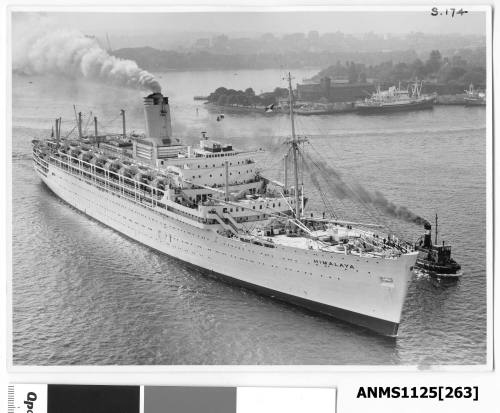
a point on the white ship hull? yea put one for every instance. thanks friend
(368, 292)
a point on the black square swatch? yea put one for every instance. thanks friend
(92, 399)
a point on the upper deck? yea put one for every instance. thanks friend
(265, 219)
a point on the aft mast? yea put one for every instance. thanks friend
(295, 149)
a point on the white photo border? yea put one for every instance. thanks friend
(219, 374)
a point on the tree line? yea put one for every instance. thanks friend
(468, 67)
(231, 97)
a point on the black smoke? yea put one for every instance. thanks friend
(358, 193)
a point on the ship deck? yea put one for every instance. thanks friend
(306, 243)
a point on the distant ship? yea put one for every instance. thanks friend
(435, 259)
(474, 97)
(396, 99)
(211, 207)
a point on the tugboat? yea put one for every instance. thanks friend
(435, 260)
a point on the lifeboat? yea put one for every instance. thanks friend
(128, 171)
(113, 166)
(64, 149)
(111, 163)
(138, 176)
(143, 175)
(160, 182)
(124, 166)
(85, 156)
(99, 161)
(74, 150)
(144, 178)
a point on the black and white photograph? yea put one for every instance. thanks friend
(242, 187)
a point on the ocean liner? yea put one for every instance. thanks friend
(211, 207)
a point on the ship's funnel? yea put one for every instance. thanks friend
(157, 114)
(427, 235)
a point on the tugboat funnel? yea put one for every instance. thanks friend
(427, 235)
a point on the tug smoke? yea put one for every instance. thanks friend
(41, 48)
(358, 193)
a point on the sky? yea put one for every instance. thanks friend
(275, 22)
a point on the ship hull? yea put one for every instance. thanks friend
(388, 108)
(376, 325)
(367, 292)
(451, 270)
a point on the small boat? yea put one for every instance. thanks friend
(474, 97)
(435, 260)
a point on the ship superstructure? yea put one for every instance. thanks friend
(211, 207)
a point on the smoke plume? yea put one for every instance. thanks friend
(358, 193)
(40, 48)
